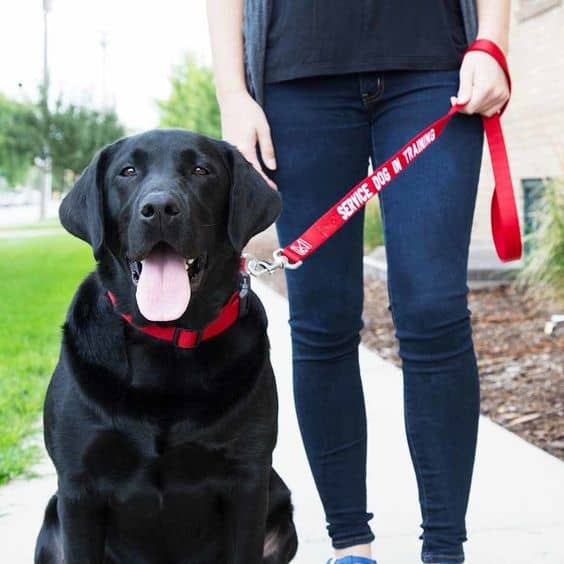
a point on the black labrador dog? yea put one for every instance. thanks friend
(161, 415)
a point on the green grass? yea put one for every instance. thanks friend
(50, 223)
(373, 235)
(38, 276)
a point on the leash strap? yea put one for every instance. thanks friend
(504, 219)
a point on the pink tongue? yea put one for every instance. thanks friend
(163, 290)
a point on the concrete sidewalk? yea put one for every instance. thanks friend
(516, 513)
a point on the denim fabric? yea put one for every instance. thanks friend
(325, 129)
(351, 560)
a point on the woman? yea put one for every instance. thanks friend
(329, 85)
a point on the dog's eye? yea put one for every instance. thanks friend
(200, 171)
(128, 171)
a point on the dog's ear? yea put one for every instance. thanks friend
(81, 211)
(253, 205)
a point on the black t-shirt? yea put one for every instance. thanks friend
(320, 37)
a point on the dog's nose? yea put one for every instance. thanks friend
(157, 205)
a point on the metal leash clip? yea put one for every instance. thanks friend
(259, 267)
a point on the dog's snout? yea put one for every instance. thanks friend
(162, 205)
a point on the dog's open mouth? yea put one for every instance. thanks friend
(165, 281)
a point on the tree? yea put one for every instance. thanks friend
(18, 140)
(75, 134)
(192, 103)
(69, 134)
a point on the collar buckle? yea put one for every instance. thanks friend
(244, 289)
(176, 335)
(198, 340)
(178, 332)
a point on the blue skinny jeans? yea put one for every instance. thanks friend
(325, 130)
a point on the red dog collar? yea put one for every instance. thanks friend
(187, 338)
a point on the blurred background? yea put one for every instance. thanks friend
(77, 74)
(74, 76)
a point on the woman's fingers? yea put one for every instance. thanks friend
(261, 141)
(486, 100)
(483, 85)
(497, 97)
(257, 166)
(266, 147)
(479, 100)
(250, 153)
(465, 86)
(244, 124)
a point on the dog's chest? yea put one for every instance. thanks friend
(122, 465)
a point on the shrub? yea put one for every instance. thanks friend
(373, 232)
(544, 266)
(192, 103)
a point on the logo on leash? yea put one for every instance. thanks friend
(300, 247)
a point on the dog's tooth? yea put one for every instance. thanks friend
(190, 260)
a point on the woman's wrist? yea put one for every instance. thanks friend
(226, 92)
(499, 38)
(493, 22)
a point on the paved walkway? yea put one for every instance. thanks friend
(28, 233)
(25, 215)
(516, 515)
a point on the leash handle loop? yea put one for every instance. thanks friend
(504, 217)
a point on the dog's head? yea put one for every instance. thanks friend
(167, 214)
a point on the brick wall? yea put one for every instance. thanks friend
(534, 121)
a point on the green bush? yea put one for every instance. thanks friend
(373, 232)
(544, 266)
(192, 103)
(68, 133)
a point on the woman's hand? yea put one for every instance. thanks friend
(244, 125)
(243, 122)
(483, 85)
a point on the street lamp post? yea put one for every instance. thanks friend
(47, 177)
(104, 46)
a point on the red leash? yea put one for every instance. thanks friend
(504, 219)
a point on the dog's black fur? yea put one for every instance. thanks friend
(163, 455)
